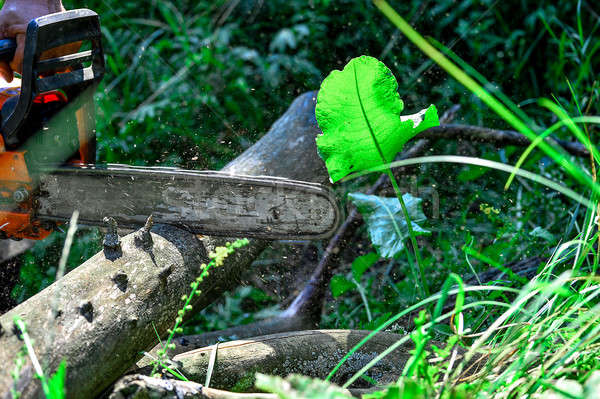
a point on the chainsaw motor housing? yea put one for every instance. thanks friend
(51, 120)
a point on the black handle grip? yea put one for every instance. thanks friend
(7, 49)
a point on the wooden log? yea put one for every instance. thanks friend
(311, 352)
(106, 309)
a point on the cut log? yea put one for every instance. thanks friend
(312, 352)
(106, 309)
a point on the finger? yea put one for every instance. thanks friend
(6, 71)
(17, 62)
(14, 30)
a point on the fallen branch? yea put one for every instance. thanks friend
(498, 137)
(313, 353)
(107, 310)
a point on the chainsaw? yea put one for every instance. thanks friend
(48, 163)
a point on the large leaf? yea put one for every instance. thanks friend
(358, 104)
(385, 221)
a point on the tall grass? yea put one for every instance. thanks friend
(546, 338)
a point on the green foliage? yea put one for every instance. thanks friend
(392, 392)
(524, 355)
(385, 221)
(361, 264)
(340, 285)
(358, 109)
(407, 388)
(300, 387)
(192, 84)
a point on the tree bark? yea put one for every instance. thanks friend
(313, 353)
(102, 315)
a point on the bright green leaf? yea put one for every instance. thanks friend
(385, 221)
(297, 386)
(358, 104)
(362, 263)
(340, 285)
(56, 383)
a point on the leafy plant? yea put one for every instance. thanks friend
(525, 357)
(358, 110)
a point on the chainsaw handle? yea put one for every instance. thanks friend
(7, 49)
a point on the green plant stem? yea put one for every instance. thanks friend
(392, 178)
(217, 259)
(34, 360)
(179, 319)
(411, 233)
(363, 296)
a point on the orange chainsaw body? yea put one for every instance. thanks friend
(15, 186)
(17, 219)
(29, 140)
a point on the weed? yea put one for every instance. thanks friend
(217, 257)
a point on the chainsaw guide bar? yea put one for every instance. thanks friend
(50, 121)
(203, 202)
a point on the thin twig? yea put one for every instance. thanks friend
(498, 137)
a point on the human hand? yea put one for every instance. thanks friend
(14, 18)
